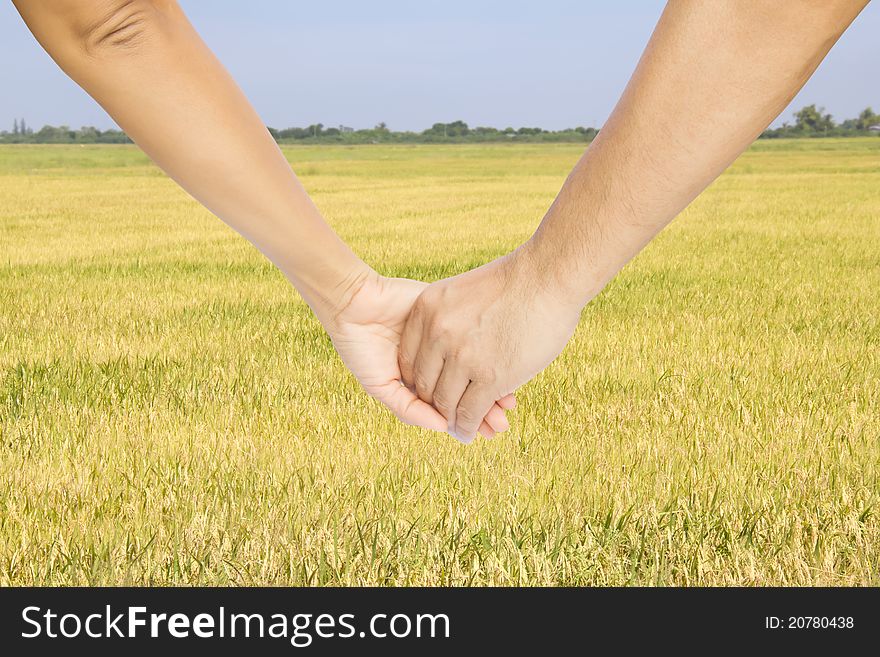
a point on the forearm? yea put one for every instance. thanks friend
(712, 77)
(146, 65)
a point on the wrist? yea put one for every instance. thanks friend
(565, 285)
(337, 293)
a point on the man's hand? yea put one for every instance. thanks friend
(476, 337)
(366, 333)
(723, 70)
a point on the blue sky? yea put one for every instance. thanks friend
(554, 63)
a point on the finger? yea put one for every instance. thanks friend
(486, 430)
(409, 348)
(472, 408)
(450, 387)
(496, 419)
(409, 409)
(428, 366)
(507, 402)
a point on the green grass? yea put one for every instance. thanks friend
(170, 413)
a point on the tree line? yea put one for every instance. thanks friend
(24, 134)
(810, 121)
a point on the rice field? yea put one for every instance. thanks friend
(171, 413)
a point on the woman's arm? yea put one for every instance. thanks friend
(146, 65)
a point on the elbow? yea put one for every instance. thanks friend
(116, 27)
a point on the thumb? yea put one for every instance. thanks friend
(409, 409)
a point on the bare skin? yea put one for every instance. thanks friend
(146, 65)
(716, 74)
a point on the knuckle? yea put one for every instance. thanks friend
(440, 326)
(483, 374)
(421, 382)
(405, 360)
(419, 307)
(441, 403)
(432, 295)
(465, 417)
(462, 354)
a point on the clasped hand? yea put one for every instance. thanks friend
(448, 356)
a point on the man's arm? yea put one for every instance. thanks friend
(712, 77)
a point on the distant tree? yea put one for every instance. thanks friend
(381, 127)
(15, 126)
(51, 135)
(457, 129)
(866, 119)
(588, 133)
(484, 131)
(438, 129)
(294, 133)
(811, 119)
(113, 137)
(87, 135)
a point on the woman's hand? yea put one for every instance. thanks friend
(366, 333)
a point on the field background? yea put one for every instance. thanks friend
(170, 413)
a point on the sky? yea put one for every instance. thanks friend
(551, 64)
